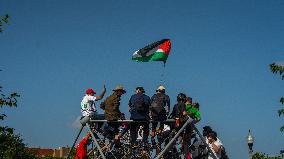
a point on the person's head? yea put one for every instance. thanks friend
(90, 92)
(181, 97)
(215, 133)
(119, 90)
(139, 90)
(206, 130)
(211, 137)
(161, 89)
(196, 105)
(188, 100)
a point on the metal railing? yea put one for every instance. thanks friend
(86, 121)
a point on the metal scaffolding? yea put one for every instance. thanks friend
(86, 122)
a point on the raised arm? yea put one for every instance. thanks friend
(102, 93)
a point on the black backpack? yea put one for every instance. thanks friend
(157, 104)
(139, 104)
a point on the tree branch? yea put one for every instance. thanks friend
(275, 69)
(280, 112)
(3, 21)
(282, 128)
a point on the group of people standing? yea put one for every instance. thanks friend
(142, 108)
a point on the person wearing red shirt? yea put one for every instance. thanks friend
(81, 150)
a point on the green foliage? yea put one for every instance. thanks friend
(282, 128)
(282, 100)
(280, 112)
(50, 157)
(259, 155)
(10, 101)
(12, 146)
(72, 154)
(3, 20)
(275, 69)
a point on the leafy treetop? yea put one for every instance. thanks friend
(3, 20)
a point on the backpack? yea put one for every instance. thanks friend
(223, 153)
(139, 104)
(157, 104)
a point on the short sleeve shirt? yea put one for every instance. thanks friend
(218, 155)
(88, 107)
(193, 111)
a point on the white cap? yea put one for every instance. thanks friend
(161, 88)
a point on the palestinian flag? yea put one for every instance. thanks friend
(157, 51)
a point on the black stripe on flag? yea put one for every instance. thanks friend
(142, 52)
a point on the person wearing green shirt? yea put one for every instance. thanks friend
(193, 110)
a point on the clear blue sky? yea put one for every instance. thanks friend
(221, 50)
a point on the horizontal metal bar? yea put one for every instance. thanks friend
(129, 121)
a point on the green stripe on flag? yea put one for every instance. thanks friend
(157, 56)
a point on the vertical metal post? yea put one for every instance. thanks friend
(96, 142)
(250, 154)
(189, 120)
(250, 140)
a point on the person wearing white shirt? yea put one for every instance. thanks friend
(214, 145)
(88, 107)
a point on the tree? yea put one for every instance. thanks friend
(3, 20)
(259, 155)
(279, 69)
(11, 145)
(10, 101)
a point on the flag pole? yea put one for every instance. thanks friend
(162, 81)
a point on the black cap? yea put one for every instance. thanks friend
(141, 89)
(207, 128)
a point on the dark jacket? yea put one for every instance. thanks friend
(111, 107)
(166, 103)
(178, 109)
(138, 115)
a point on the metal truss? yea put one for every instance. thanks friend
(105, 148)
